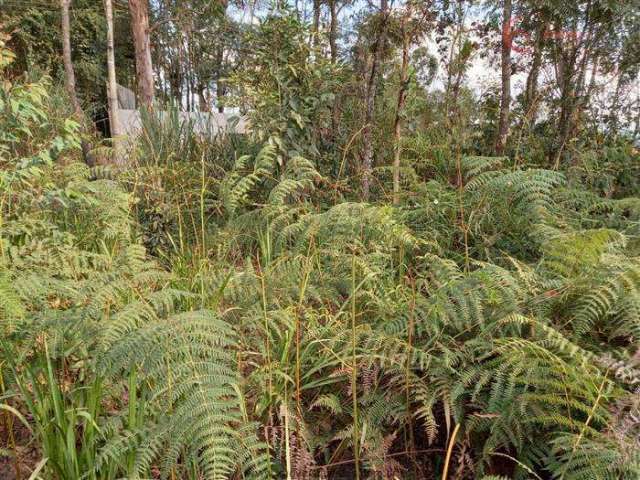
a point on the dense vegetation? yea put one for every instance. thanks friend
(268, 306)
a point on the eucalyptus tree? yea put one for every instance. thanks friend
(139, 10)
(112, 87)
(505, 99)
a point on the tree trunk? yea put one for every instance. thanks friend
(333, 31)
(219, 70)
(531, 89)
(565, 78)
(397, 127)
(203, 103)
(69, 73)
(636, 130)
(370, 103)
(333, 36)
(455, 67)
(70, 78)
(220, 89)
(316, 22)
(112, 88)
(139, 10)
(587, 91)
(505, 102)
(571, 71)
(220, 92)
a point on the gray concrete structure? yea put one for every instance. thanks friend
(203, 123)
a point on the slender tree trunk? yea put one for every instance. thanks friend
(219, 69)
(69, 73)
(636, 130)
(566, 77)
(456, 67)
(190, 70)
(177, 77)
(220, 90)
(333, 37)
(316, 21)
(505, 102)
(564, 124)
(112, 87)
(397, 127)
(615, 104)
(333, 31)
(531, 89)
(70, 78)
(139, 10)
(449, 84)
(587, 92)
(202, 99)
(370, 103)
(572, 73)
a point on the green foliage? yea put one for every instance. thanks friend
(92, 327)
(287, 88)
(284, 182)
(487, 325)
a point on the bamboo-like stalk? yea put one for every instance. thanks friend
(408, 372)
(203, 190)
(452, 442)
(302, 290)
(354, 372)
(132, 418)
(586, 424)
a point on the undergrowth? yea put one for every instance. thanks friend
(208, 312)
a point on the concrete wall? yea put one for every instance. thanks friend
(204, 123)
